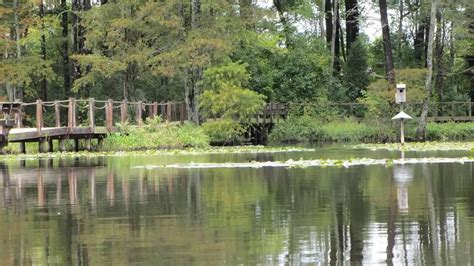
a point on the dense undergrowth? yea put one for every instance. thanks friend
(309, 129)
(155, 135)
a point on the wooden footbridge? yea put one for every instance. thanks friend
(73, 119)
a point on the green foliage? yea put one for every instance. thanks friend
(224, 131)
(356, 76)
(155, 135)
(310, 129)
(231, 102)
(450, 131)
(297, 129)
(302, 72)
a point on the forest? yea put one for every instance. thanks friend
(225, 58)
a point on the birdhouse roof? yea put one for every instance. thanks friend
(402, 115)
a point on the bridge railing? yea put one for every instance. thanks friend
(73, 112)
(90, 113)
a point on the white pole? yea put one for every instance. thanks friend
(402, 132)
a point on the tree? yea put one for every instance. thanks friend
(421, 129)
(356, 77)
(390, 74)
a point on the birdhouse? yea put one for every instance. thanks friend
(401, 94)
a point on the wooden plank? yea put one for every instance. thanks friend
(168, 112)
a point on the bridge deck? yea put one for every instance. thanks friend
(32, 134)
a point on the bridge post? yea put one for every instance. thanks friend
(168, 111)
(50, 145)
(62, 144)
(19, 117)
(71, 114)
(109, 115)
(155, 109)
(182, 113)
(39, 116)
(42, 145)
(123, 112)
(92, 114)
(469, 109)
(57, 114)
(139, 113)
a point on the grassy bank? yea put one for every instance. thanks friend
(309, 129)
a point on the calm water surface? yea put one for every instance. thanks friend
(102, 211)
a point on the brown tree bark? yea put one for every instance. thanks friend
(387, 45)
(328, 19)
(65, 48)
(352, 22)
(44, 82)
(421, 130)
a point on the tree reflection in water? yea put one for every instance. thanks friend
(100, 211)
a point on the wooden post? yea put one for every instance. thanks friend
(109, 115)
(155, 109)
(62, 144)
(39, 116)
(42, 145)
(182, 113)
(23, 147)
(452, 109)
(50, 145)
(88, 143)
(123, 112)
(71, 115)
(92, 114)
(469, 109)
(139, 113)
(57, 114)
(100, 143)
(168, 112)
(76, 145)
(19, 117)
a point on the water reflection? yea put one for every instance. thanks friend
(101, 211)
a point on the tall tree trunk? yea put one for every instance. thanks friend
(18, 91)
(75, 26)
(44, 83)
(352, 22)
(439, 60)
(334, 35)
(341, 35)
(192, 88)
(279, 5)
(419, 44)
(65, 48)
(401, 16)
(387, 45)
(328, 18)
(421, 130)
(321, 17)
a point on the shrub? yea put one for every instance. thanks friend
(297, 129)
(153, 136)
(224, 131)
(449, 131)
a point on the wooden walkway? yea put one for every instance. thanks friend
(89, 119)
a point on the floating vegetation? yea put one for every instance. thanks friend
(185, 151)
(420, 146)
(314, 163)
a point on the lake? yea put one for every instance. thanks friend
(113, 210)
